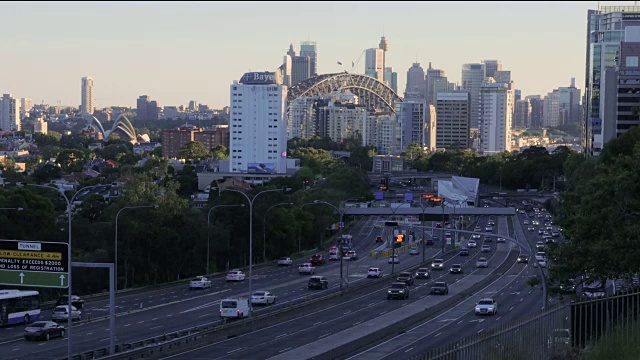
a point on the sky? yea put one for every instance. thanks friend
(181, 51)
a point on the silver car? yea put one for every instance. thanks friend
(61, 313)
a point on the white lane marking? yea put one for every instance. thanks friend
(232, 351)
(202, 316)
(18, 349)
(321, 336)
(127, 325)
(511, 308)
(409, 349)
(318, 323)
(283, 350)
(481, 330)
(141, 322)
(354, 324)
(281, 335)
(89, 333)
(105, 339)
(10, 341)
(438, 334)
(213, 303)
(154, 319)
(347, 312)
(156, 327)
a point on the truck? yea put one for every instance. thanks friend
(234, 308)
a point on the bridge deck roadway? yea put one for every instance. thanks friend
(497, 211)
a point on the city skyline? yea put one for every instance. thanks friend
(197, 54)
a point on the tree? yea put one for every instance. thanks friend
(46, 173)
(71, 159)
(194, 150)
(43, 140)
(220, 152)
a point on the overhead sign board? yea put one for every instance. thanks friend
(34, 263)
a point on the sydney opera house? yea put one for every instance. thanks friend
(122, 126)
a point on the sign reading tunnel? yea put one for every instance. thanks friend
(32, 263)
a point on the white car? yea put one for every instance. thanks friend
(61, 313)
(306, 268)
(285, 261)
(539, 245)
(526, 222)
(486, 306)
(350, 255)
(540, 255)
(334, 256)
(235, 275)
(501, 240)
(394, 259)
(475, 236)
(542, 263)
(472, 244)
(489, 228)
(485, 248)
(374, 272)
(437, 264)
(414, 251)
(477, 228)
(263, 298)
(531, 228)
(200, 282)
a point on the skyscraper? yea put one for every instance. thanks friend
(391, 78)
(10, 113)
(374, 63)
(258, 123)
(88, 103)
(310, 49)
(521, 114)
(453, 112)
(537, 111)
(297, 68)
(472, 77)
(415, 80)
(606, 29)
(436, 82)
(495, 115)
(570, 103)
(491, 67)
(142, 105)
(411, 114)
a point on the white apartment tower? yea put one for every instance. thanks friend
(496, 111)
(472, 77)
(88, 103)
(453, 111)
(258, 127)
(10, 113)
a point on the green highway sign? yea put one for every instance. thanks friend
(34, 263)
(34, 278)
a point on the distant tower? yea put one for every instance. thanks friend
(87, 96)
(384, 46)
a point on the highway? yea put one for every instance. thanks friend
(177, 308)
(279, 339)
(516, 300)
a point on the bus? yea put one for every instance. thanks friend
(17, 306)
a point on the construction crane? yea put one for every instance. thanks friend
(354, 64)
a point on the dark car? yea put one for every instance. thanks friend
(423, 273)
(429, 241)
(487, 239)
(464, 252)
(524, 259)
(398, 290)
(405, 277)
(318, 282)
(455, 269)
(43, 330)
(439, 288)
(317, 259)
(379, 239)
(568, 287)
(75, 301)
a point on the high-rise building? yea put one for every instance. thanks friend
(495, 115)
(343, 121)
(517, 94)
(626, 87)
(258, 124)
(40, 126)
(193, 105)
(10, 113)
(141, 107)
(472, 77)
(87, 95)
(491, 67)
(416, 81)
(25, 106)
(453, 112)
(297, 69)
(310, 50)
(606, 28)
(521, 113)
(374, 63)
(570, 103)
(436, 82)
(391, 78)
(537, 111)
(412, 117)
(551, 114)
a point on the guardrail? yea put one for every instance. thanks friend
(169, 342)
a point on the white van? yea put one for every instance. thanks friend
(237, 308)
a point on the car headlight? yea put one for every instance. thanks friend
(477, 308)
(401, 291)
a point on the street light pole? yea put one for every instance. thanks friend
(251, 200)
(340, 226)
(264, 230)
(17, 209)
(69, 260)
(115, 270)
(442, 231)
(209, 230)
(424, 242)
